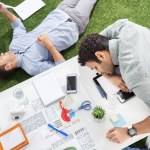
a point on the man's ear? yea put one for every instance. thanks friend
(8, 67)
(100, 55)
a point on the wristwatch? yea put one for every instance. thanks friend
(132, 131)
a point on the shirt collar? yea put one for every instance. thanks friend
(19, 60)
(113, 49)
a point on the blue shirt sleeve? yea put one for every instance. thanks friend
(41, 66)
(18, 28)
(48, 64)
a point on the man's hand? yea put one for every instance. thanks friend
(11, 17)
(118, 134)
(2, 8)
(44, 40)
(118, 81)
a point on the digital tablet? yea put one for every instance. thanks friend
(105, 88)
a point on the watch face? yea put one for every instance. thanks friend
(132, 132)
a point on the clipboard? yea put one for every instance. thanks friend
(19, 129)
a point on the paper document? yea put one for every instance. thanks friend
(27, 8)
(48, 88)
(11, 139)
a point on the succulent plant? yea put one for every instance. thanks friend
(98, 112)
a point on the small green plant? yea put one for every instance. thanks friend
(98, 112)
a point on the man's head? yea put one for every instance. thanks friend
(94, 53)
(8, 62)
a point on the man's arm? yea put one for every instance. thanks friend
(46, 42)
(11, 17)
(113, 30)
(119, 135)
(143, 126)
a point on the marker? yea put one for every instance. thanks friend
(60, 131)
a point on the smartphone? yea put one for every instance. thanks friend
(71, 83)
(123, 96)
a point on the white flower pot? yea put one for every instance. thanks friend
(99, 120)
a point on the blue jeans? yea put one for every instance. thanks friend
(129, 148)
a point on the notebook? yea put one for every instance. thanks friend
(48, 89)
(14, 138)
(27, 8)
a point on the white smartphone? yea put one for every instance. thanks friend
(71, 83)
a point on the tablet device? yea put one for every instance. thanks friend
(99, 87)
(105, 88)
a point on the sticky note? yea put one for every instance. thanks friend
(118, 123)
(114, 118)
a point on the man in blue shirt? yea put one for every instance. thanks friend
(39, 50)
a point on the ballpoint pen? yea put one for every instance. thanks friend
(60, 131)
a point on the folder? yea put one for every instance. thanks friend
(13, 139)
(48, 88)
(27, 8)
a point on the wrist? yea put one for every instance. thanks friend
(138, 129)
(109, 76)
(132, 131)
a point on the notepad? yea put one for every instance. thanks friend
(13, 138)
(27, 8)
(119, 122)
(48, 89)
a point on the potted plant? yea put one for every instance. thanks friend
(98, 113)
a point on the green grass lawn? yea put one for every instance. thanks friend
(105, 13)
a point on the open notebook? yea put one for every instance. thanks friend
(48, 88)
(27, 8)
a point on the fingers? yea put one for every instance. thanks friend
(123, 87)
(40, 38)
(111, 130)
(111, 135)
(114, 139)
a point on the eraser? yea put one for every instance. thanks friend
(114, 118)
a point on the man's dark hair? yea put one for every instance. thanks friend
(91, 44)
(6, 74)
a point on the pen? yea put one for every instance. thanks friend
(60, 131)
